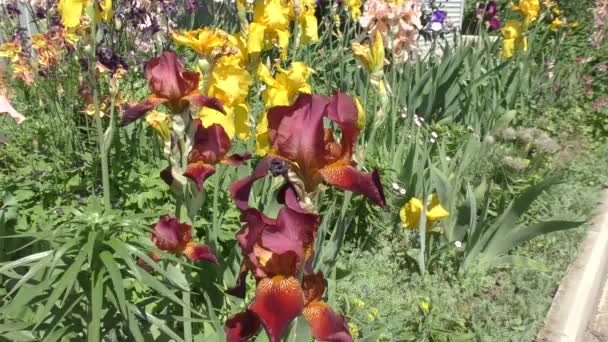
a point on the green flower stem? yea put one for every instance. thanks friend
(103, 153)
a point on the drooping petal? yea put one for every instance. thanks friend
(242, 326)
(201, 100)
(237, 159)
(278, 300)
(171, 235)
(166, 175)
(240, 288)
(410, 213)
(196, 251)
(210, 143)
(240, 189)
(344, 175)
(325, 324)
(296, 132)
(135, 112)
(6, 107)
(255, 41)
(198, 172)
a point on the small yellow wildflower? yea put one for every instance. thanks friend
(358, 302)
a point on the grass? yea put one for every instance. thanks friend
(507, 304)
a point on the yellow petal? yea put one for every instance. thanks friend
(262, 141)
(70, 11)
(210, 116)
(410, 213)
(360, 113)
(309, 27)
(435, 210)
(378, 53)
(255, 42)
(283, 42)
(106, 10)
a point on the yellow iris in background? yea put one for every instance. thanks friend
(281, 90)
(529, 9)
(270, 26)
(71, 10)
(556, 24)
(410, 213)
(206, 42)
(512, 39)
(230, 84)
(11, 51)
(372, 59)
(308, 22)
(354, 6)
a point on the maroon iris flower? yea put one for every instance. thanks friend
(210, 147)
(299, 140)
(275, 251)
(489, 14)
(172, 236)
(172, 86)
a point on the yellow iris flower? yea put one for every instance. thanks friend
(354, 7)
(230, 84)
(240, 57)
(208, 43)
(529, 9)
(283, 88)
(410, 213)
(270, 26)
(556, 24)
(371, 59)
(10, 50)
(280, 91)
(512, 39)
(71, 10)
(308, 22)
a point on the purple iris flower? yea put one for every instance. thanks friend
(437, 20)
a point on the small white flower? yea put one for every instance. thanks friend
(418, 123)
(404, 115)
(432, 140)
(458, 244)
(395, 186)
(434, 135)
(402, 191)
(421, 118)
(448, 158)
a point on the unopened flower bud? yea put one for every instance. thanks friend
(160, 123)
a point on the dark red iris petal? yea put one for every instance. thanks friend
(278, 300)
(325, 324)
(345, 176)
(242, 326)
